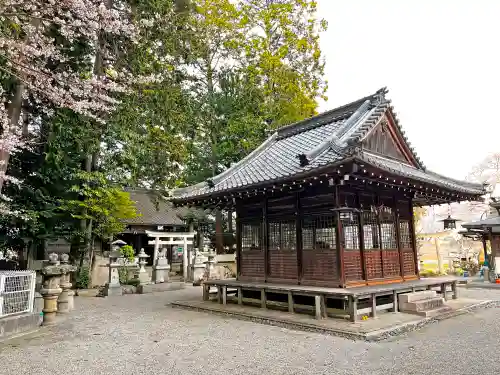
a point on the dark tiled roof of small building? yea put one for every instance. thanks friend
(320, 141)
(153, 209)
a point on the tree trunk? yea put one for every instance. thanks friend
(15, 110)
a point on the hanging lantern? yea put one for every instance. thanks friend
(449, 223)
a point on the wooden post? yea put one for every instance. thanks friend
(206, 292)
(398, 238)
(265, 235)
(454, 289)
(323, 307)
(240, 296)
(224, 295)
(379, 230)
(219, 294)
(395, 303)
(374, 305)
(263, 299)
(298, 227)
(238, 247)
(413, 236)
(443, 292)
(317, 307)
(290, 302)
(353, 308)
(361, 231)
(339, 238)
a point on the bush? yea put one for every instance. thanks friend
(133, 282)
(128, 253)
(83, 278)
(428, 273)
(459, 272)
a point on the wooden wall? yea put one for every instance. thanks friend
(302, 238)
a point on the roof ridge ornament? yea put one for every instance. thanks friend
(335, 142)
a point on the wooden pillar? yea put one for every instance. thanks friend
(413, 236)
(298, 230)
(361, 232)
(238, 247)
(339, 238)
(379, 231)
(483, 239)
(219, 239)
(398, 237)
(265, 239)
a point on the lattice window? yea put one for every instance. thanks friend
(371, 239)
(350, 230)
(282, 235)
(17, 292)
(405, 234)
(251, 238)
(387, 228)
(319, 233)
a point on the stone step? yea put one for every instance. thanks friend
(416, 296)
(433, 312)
(422, 305)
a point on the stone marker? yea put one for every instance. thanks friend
(198, 269)
(162, 269)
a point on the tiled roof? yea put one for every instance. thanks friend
(153, 209)
(320, 141)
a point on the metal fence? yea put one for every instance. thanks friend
(17, 292)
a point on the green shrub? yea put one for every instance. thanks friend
(128, 253)
(459, 272)
(83, 278)
(133, 282)
(428, 273)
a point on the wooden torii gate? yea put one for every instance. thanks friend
(172, 238)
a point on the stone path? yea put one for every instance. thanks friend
(138, 334)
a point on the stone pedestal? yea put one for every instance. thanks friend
(161, 271)
(63, 305)
(113, 287)
(210, 266)
(71, 300)
(142, 274)
(50, 289)
(198, 269)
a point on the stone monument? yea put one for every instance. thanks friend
(210, 265)
(198, 268)
(113, 287)
(50, 290)
(161, 268)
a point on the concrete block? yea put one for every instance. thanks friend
(113, 290)
(434, 312)
(417, 296)
(422, 305)
(163, 287)
(18, 324)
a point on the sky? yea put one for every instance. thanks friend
(440, 61)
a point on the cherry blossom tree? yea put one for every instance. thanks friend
(48, 51)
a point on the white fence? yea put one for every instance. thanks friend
(17, 292)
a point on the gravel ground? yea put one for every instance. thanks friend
(138, 334)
